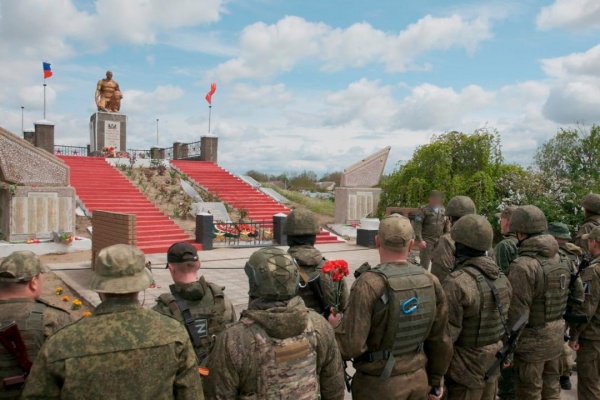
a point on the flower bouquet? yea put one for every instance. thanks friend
(337, 270)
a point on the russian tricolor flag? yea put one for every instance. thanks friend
(47, 70)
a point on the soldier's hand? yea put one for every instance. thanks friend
(435, 393)
(423, 244)
(335, 319)
(506, 364)
(574, 345)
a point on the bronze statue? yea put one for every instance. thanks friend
(108, 94)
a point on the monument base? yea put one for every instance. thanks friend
(353, 203)
(108, 130)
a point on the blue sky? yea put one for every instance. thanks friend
(307, 84)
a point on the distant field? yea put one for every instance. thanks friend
(323, 207)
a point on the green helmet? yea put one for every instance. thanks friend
(301, 221)
(272, 275)
(591, 202)
(459, 206)
(473, 231)
(528, 220)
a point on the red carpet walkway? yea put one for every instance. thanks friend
(100, 186)
(238, 193)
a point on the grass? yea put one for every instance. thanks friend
(319, 206)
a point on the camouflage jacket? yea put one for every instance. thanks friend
(526, 279)
(470, 364)
(121, 352)
(234, 364)
(310, 260)
(362, 329)
(591, 305)
(443, 260)
(588, 224)
(506, 251)
(429, 225)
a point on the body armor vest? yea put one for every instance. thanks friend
(205, 319)
(32, 333)
(288, 367)
(550, 301)
(486, 327)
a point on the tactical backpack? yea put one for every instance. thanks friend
(203, 320)
(288, 367)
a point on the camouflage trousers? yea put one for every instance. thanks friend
(460, 392)
(566, 361)
(588, 370)
(410, 386)
(425, 254)
(506, 384)
(538, 380)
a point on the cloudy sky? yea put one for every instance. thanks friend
(306, 84)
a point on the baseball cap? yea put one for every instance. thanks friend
(594, 234)
(20, 266)
(182, 252)
(395, 231)
(120, 269)
(559, 230)
(506, 212)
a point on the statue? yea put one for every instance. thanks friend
(108, 94)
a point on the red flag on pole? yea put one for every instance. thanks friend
(213, 89)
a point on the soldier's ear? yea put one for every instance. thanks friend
(377, 242)
(411, 244)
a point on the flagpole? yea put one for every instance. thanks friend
(44, 98)
(209, 113)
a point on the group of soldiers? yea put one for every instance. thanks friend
(410, 333)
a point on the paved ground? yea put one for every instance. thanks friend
(225, 267)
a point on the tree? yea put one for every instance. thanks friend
(258, 176)
(303, 181)
(332, 177)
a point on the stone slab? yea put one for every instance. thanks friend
(352, 204)
(82, 244)
(217, 209)
(108, 130)
(367, 172)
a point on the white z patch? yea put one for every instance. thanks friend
(201, 326)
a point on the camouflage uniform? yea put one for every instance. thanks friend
(506, 251)
(365, 327)
(122, 351)
(470, 301)
(537, 356)
(279, 348)
(429, 224)
(591, 203)
(35, 318)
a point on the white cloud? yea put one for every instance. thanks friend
(259, 95)
(157, 100)
(574, 101)
(575, 15)
(579, 64)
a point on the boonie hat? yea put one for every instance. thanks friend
(20, 266)
(559, 230)
(594, 234)
(395, 231)
(120, 269)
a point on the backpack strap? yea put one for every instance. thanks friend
(197, 329)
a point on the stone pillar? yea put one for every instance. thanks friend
(154, 153)
(177, 147)
(44, 135)
(162, 153)
(29, 135)
(185, 150)
(278, 236)
(209, 146)
(204, 230)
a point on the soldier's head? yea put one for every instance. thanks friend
(395, 238)
(458, 207)
(591, 204)
(504, 218)
(21, 275)
(473, 235)
(593, 239)
(301, 227)
(272, 275)
(120, 272)
(109, 75)
(435, 198)
(183, 262)
(560, 232)
(528, 221)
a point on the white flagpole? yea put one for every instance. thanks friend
(44, 98)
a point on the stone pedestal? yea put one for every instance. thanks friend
(366, 237)
(209, 148)
(108, 130)
(44, 135)
(29, 135)
(205, 230)
(278, 236)
(180, 151)
(352, 204)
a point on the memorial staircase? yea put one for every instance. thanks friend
(239, 194)
(100, 186)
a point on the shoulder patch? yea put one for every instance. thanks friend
(418, 218)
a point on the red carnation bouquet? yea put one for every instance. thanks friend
(338, 270)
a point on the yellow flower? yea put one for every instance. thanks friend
(65, 298)
(59, 291)
(87, 314)
(77, 302)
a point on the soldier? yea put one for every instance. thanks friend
(561, 233)
(591, 207)
(429, 224)
(122, 351)
(301, 227)
(279, 348)
(443, 261)
(506, 251)
(200, 306)
(478, 295)
(394, 328)
(540, 283)
(21, 284)
(585, 337)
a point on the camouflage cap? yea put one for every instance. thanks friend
(528, 220)
(473, 231)
(506, 212)
(272, 274)
(593, 235)
(20, 266)
(559, 230)
(395, 231)
(591, 202)
(459, 206)
(301, 221)
(120, 269)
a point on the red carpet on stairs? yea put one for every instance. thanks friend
(100, 186)
(239, 194)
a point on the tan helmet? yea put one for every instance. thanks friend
(459, 206)
(528, 220)
(301, 221)
(591, 202)
(473, 231)
(272, 274)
